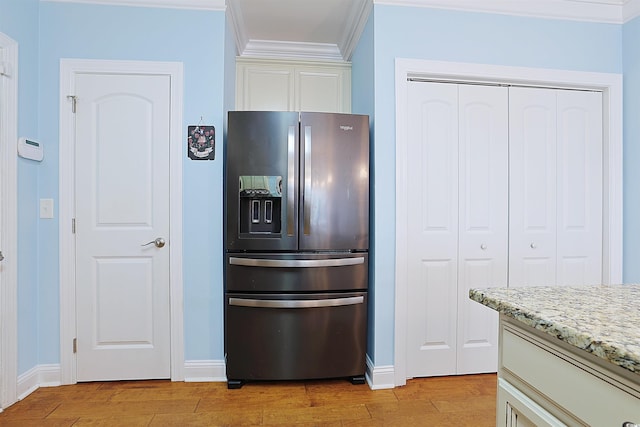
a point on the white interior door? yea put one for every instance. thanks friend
(8, 220)
(122, 203)
(532, 198)
(483, 220)
(432, 219)
(506, 190)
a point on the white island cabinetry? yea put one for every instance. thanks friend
(567, 356)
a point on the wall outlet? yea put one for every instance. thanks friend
(46, 208)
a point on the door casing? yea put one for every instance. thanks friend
(68, 70)
(9, 218)
(611, 86)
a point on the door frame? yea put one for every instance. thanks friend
(9, 217)
(611, 86)
(69, 68)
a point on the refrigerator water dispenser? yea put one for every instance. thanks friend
(260, 204)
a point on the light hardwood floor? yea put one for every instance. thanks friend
(440, 401)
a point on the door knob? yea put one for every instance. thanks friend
(159, 242)
(1, 256)
(533, 246)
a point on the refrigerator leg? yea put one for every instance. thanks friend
(359, 379)
(234, 384)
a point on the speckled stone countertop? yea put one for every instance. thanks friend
(602, 320)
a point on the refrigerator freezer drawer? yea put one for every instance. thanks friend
(296, 272)
(301, 263)
(293, 337)
(297, 303)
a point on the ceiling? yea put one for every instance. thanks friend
(326, 29)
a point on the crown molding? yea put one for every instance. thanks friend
(358, 18)
(173, 4)
(630, 10)
(236, 20)
(292, 50)
(605, 11)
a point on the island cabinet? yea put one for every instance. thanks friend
(543, 381)
(568, 356)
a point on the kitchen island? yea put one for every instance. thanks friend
(568, 355)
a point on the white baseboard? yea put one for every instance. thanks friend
(204, 370)
(36, 377)
(380, 377)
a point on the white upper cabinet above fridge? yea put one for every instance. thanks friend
(286, 85)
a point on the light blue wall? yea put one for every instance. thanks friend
(19, 20)
(631, 153)
(433, 34)
(195, 38)
(202, 41)
(362, 102)
(230, 53)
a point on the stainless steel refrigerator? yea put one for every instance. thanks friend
(297, 241)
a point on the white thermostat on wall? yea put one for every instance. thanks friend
(30, 149)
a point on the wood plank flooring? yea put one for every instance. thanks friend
(440, 401)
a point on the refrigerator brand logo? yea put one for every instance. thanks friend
(343, 127)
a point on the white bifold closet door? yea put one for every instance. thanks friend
(555, 202)
(505, 189)
(458, 221)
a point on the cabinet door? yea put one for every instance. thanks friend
(579, 202)
(285, 85)
(265, 88)
(433, 224)
(532, 180)
(323, 90)
(483, 220)
(516, 409)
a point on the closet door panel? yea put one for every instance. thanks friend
(483, 220)
(579, 201)
(532, 196)
(433, 223)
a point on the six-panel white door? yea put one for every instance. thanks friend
(122, 203)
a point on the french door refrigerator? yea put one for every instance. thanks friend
(297, 241)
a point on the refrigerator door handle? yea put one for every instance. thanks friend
(307, 181)
(313, 303)
(291, 188)
(295, 263)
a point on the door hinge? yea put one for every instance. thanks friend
(75, 345)
(73, 225)
(74, 100)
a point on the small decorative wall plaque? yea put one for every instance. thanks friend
(201, 142)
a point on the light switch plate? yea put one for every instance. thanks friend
(46, 208)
